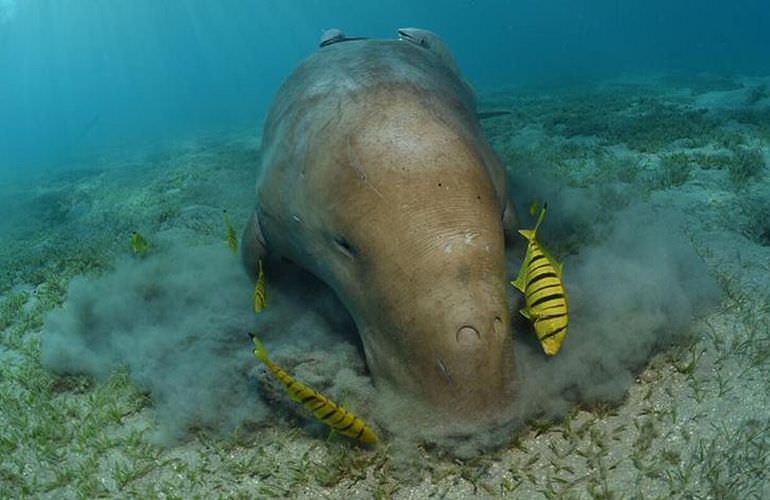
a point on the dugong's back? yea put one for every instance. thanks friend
(338, 72)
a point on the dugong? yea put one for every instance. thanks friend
(376, 177)
(430, 41)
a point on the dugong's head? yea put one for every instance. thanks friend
(390, 194)
(402, 217)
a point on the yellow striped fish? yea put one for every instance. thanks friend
(324, 409)
(232, 237)
(540, 280)
(260, 294)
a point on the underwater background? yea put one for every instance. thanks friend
(645, 125)
(83, 78)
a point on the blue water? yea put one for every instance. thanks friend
(80, 78)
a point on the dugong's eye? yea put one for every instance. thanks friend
(345, 247)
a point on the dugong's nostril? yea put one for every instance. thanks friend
(468, 336)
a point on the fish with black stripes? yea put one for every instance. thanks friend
(324, 409)
(540, 280)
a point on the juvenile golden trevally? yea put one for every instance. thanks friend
(232, 237)
(139, 245)
(540, 280)
(535, 208)
(324, 409)
(260, 293)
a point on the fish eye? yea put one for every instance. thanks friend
(344, 246)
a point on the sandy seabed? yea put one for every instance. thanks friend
(693, 423)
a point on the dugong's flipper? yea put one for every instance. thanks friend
(510, 221)
(432, 42)
(253, 246)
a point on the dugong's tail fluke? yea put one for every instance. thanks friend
(432, 42)
(334, 35)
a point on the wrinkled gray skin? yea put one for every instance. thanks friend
(376, 177)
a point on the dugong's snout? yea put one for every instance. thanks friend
(450, 345)
(472, 357)
(469, 336)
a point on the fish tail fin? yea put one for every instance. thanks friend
(260, 352)
(529, 234)
(521, 279)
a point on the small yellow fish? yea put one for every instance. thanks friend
(535, 208)
(260, 294)
(139, 245)
(540, 280)
(232, 237)
(324, 409)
